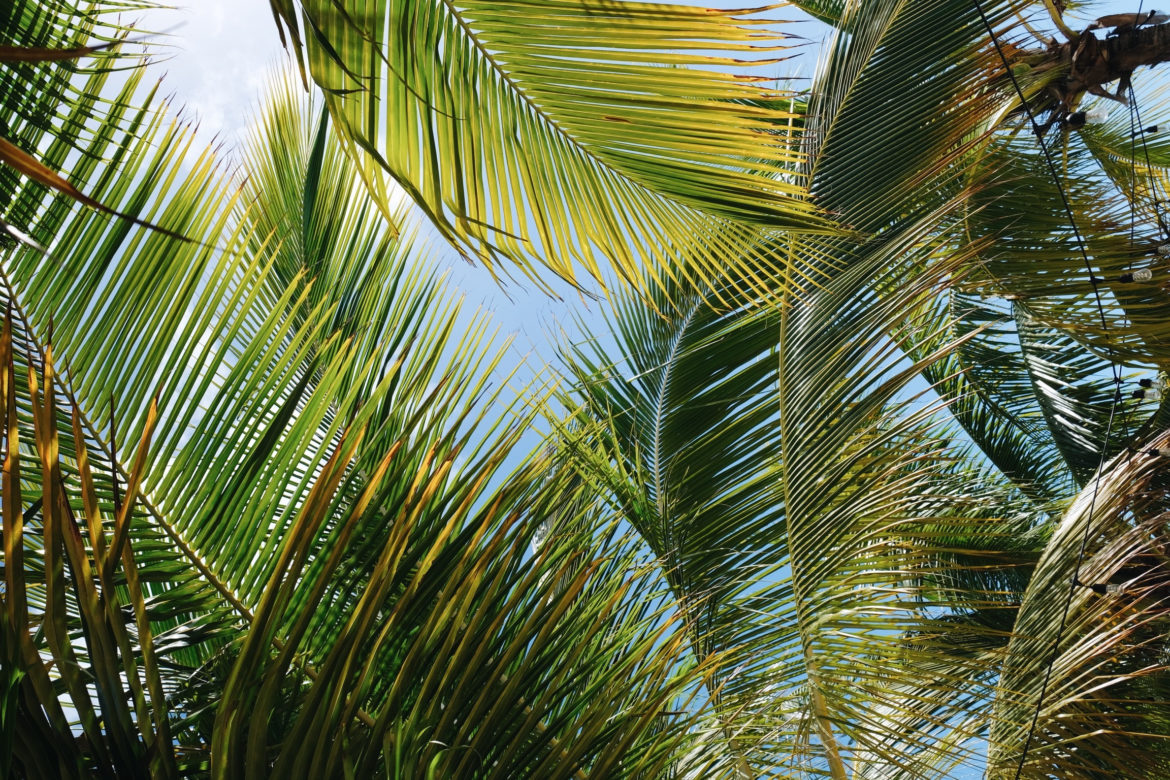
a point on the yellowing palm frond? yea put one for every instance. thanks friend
(573, 135)
(1095, 680)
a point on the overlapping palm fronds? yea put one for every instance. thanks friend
(866, 564)
(989, 390)
(1039, 402)
(911, 81)
(676, 429)
(264, 513)
(324, 516)
(806, 529)
(40, 51)
(470, 590)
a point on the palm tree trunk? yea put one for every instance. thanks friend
(1091, 63)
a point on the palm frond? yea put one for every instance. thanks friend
(1101, 710)
(988, 390)
(909, 79)
(1056, 272)
(41, 44)
(325, 499)
(819, 533)
(581, 139)
(125, 725)
(677, 426)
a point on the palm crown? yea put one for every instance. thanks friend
(842, 488)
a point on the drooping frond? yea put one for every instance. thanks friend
(820, 536)
(591, 134)
(988, 390)
(677, 427)
(910, 79)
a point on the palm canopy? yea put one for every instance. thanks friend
(263, 513)
(898, 561)
(294, 453)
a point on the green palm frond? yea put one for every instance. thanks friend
(988, 390)
(821, 532)
(1037, 259)
(33, 89)
(325, 517)
(254, 340)
(582, 138)
(99, 582)
(910, 80)
(1033, 398)
(1078, 318)
(1133, 157)
(40, 48)
(467, 597)
(857, 474)
(477, 649)
(677, 426)
(1076, 392)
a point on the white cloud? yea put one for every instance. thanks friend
(220, 51)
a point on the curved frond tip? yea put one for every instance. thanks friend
(589, 134)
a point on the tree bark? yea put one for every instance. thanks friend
(1091, 63)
